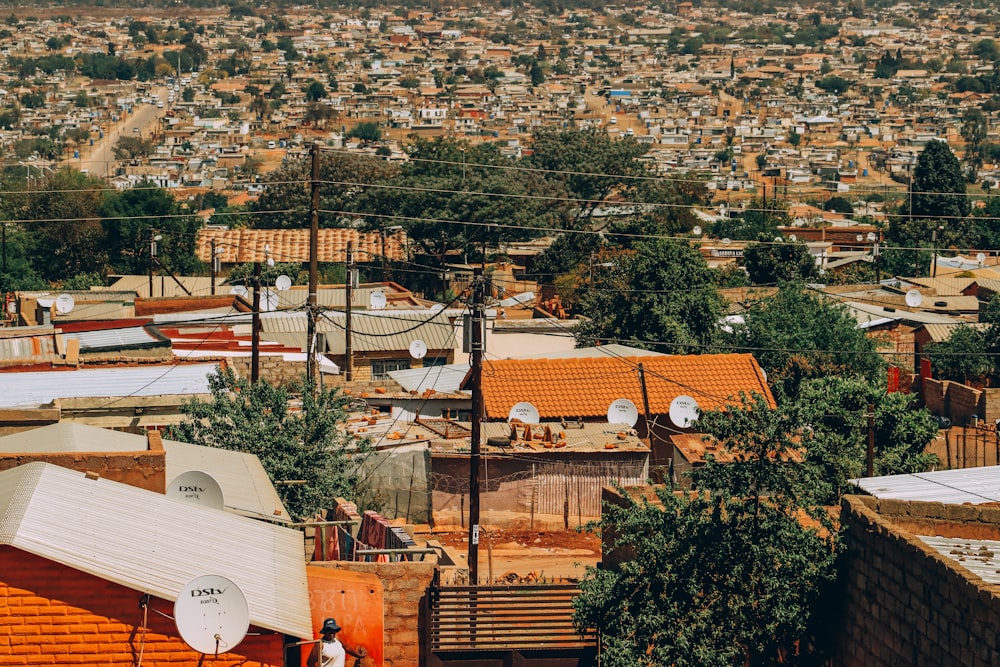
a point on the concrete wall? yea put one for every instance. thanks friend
(404, 589)
(275, 370)
(905, 604)
(51, 614)
(960, 402)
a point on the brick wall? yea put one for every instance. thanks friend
(404, 589)
(275, 370)
(51, 614)
(905, 604)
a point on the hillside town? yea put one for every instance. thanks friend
(500, 334)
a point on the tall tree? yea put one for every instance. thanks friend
(306, 444)
(770, 262)
(661, 296)
(975, 128)
(938, 199)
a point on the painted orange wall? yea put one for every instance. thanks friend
(355, 600)
(51, 614)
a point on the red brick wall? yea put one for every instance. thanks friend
(51, 614)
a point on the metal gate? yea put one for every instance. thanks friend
(505, 626)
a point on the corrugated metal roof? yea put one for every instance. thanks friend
(941, 332)
(587, 437)
(864, 313)
(28, 348)
(153, 544)
(442, 379)
(372, 331)
(72, 437)
(952, 487)
(128, 338)
(246, 487)
(981, 557)
(944, 286)
(40, 387)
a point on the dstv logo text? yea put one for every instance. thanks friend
(189, 489)
(204, 592)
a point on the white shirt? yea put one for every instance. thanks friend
(332, 654)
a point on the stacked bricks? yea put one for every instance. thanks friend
(405, 587)
(905, 604)
(51, 614)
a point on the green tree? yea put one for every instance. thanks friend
(366, 131)
(306, 444)
(974, 131)
(798, 334)
(315, 91)
(725, 577)
(837, 85)
(130, 148)
(964, 355)
(769, 262)
(660, 297)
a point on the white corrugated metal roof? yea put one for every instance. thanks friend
(953, 487)
(40, 387)
(153, 544)
(981, 557)
(117, 339)
(72, 437)
(370, 331)
(246, 488)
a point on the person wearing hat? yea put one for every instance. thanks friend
(328, 651)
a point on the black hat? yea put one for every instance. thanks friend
(330, 625)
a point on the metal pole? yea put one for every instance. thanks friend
(478, 315)
(255, 329)
(313, 266)
(349, 296)
(871, 441)
(934, 254)
(214, 260)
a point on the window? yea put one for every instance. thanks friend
(381, 367)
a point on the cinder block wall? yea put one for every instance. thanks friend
(51, 614)
(404, 591)
(905, 604)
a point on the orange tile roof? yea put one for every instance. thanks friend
(236, 246)
(585, 387)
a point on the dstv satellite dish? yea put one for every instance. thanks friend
(197, 487)
(418, 349)
(239, 290)
(623, 411)
(872, 236)
(525, 412)
(684, 411)
(64, 304)
(696, 230)
(212, 614)
(981, 258)
(726, 241)
(281, 283)
(914, 298)
(46, 303)
(377, 300)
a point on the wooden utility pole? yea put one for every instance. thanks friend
(870, 469)
(349, 297)
(215, 261)
(313, 266)
(478, 316)
(255, 327)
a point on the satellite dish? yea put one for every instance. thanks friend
(914, 298)
(623, 411)
(696, 230)
(64, 304)
(197, 487)
(281, 283)
(212, 614)
(525, 412)
(684, 411)
(239, 290)
(872, 236)
(46, 303)
(270, 301)
(726, 241)
(377, 300)
(981, 258)
(418, 349)
(793, 238)
(437, 308)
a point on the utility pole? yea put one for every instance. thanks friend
(870, 468)
(255, 327)
(313, 266)
(153, 238)
(349, 297)
(215, 263)
(478, 316)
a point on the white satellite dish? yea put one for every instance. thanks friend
(684, 411)
(269, 302)
(437, 308)
(981, 258)
(239, 290)
(726, 241)
(281, 283)
(418, 349)
(696, 230)
(623, 411)
(793, 238)
(211, 614)
(914, 298)
(45, 303)
(525, 412)
(197, 487)
(377, 300)
(64, 304)
(872, 236)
